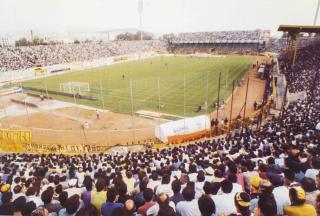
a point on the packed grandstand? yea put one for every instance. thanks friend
(269, 170)
(222, 41)
(15, 58)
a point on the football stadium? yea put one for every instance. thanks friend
(159, 108)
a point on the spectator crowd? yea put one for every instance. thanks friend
(16, 58)
(240, 42)
(255, 35)
(267, 171)
(280, 45)
(306, 70)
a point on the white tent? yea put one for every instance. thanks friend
(181, 127)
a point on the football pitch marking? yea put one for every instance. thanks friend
(145, 73)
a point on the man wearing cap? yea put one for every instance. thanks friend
(4, 188)
(242, 202)
(218, 176)
(298, 206)
(254, 192)
(209, 173)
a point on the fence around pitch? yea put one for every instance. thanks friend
(97, 141)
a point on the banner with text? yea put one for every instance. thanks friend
(13, 140)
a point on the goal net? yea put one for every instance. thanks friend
(75, 87)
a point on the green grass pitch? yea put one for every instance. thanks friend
(201, 77)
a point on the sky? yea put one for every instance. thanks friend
(159, 16)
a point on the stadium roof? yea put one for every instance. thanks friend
(299, 28)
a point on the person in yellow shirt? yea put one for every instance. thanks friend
(298, 206)
(99, 196)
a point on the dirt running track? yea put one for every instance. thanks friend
(255, 93)
(65, 125)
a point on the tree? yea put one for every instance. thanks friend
(38, 41)
(127, 36)
(145, 36)
(76, 41)
(22, 42)
(54, 42)
(168, 37)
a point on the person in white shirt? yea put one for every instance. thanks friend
(281, 196)
(314, 171)
(199, 184)
(206, 205)
(165, 186)
(193, 173)
(80, 176)
(225, 201)
(188, 207)
(235, 186)
(154, 181)
(175, 174)
(130, 181)
(73, 189)
(18, 191)
(31, 196)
